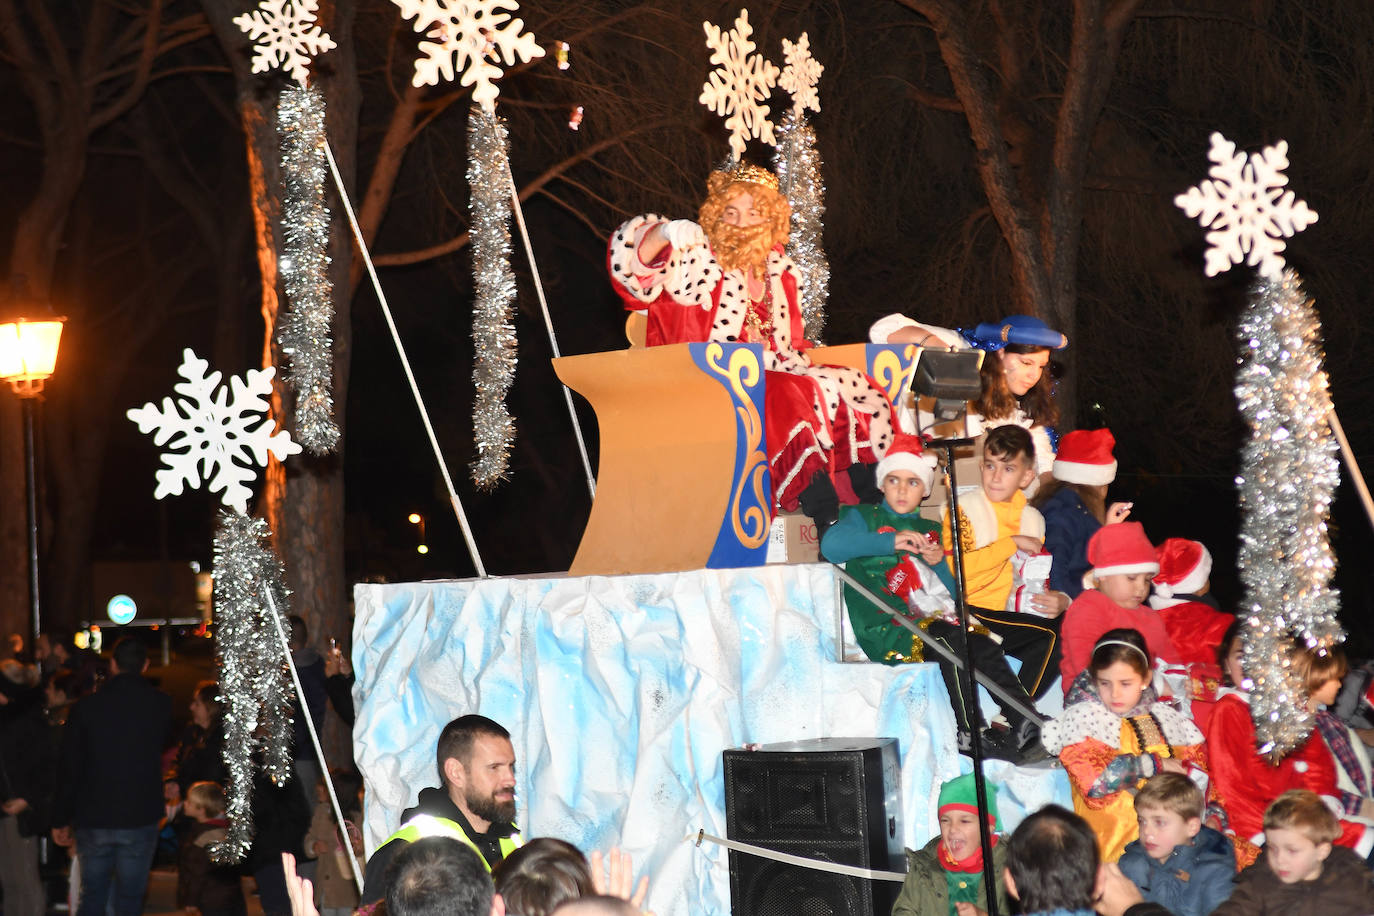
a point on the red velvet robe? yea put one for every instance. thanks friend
(1246, 783)
(816, 418)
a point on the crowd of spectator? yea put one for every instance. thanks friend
(88, 759)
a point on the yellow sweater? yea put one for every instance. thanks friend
(987, 568)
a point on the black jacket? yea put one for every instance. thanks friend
(27, 759)
(110, 771)
(436, 803)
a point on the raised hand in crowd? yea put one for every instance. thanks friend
(299, 890)
(614, 876)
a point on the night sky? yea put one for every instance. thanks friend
(907, 229)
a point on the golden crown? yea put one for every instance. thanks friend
(752, 174)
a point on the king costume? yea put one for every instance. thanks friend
(817, 418)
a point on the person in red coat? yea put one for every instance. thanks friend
(727, 278)
(1245, 782)
(1123, 562)
(1182, 596)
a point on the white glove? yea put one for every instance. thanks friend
(683, 233)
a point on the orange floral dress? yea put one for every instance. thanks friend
(1108, 757)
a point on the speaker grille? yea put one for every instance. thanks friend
(774, 889)
(823, 800)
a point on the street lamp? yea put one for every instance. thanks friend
(28, 355)
(417, 519)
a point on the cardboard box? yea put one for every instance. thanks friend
(792, 539)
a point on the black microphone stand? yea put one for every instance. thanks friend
(965, 676)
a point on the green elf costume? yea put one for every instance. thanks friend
(864, 539)
(935, 880)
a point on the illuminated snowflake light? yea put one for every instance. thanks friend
(1246, 207)
(217, 431)
(474, 34)
(800, 75)
(286, 36)
(739, 85)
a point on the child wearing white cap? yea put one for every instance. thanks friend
(899, 556)
(871, 540)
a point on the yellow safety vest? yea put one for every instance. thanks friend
(426, 825)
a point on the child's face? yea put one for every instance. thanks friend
(959, 833)
(1325, 695)
(1023, 370)
(1003, 475)
(1120, 687)
(1126, 589)
(1234, 671)
(903, 491)
(1292, 856)
(1161, 830)
(193, 810)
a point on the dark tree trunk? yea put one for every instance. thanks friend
(303, 501)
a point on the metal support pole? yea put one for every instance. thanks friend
(31, 491)
(964, 677)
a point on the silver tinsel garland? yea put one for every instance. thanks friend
(493, 333)
(304, 330)
(798, 166)
(1288, 474)
(254, 683)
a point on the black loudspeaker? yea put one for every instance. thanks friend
(833, 799)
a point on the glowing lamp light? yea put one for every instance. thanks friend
(28, 353)
(423, 548)
(413, 518)
(121, 609)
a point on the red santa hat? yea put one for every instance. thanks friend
(1121, 549)
(1085, 456)
(1184, 567)
(908, 453)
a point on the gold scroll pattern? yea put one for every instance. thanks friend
(750, 522)
(893, 372)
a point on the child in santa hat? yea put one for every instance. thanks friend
(1123, 562)
(1118, 736)
(1074, 505)
(948, 870)
(1182, 596)
(872, 540)
(897, 555)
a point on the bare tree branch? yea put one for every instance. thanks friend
(589, 153)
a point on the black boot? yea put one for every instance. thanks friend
(820, 501)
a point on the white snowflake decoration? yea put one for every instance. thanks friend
(741, 81)
(474, 32)
(800, 75)
(214, 431)
(1246, 208)
(286, 36)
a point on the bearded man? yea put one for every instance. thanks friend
(727, 278)
(475, 803)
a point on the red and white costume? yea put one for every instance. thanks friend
(816, 417)
(1088, 738)
(1245, 783)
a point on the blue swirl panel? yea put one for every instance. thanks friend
(743, 536)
